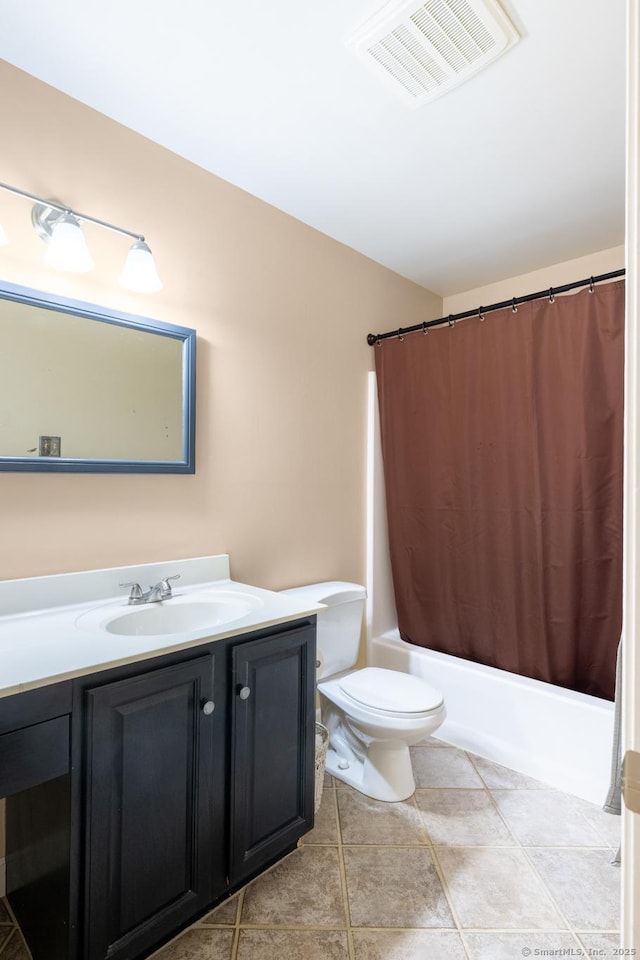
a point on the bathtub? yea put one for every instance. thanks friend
(555, 735)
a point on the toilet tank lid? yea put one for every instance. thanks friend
(330, 592)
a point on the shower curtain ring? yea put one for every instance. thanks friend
(480, 314)
(399, 334)
(514, 309)
(425, 328)
(552, 299)
(591, 286)
(452, 322)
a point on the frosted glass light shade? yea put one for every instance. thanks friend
(4, 239)
(67, 248)
(139, 272)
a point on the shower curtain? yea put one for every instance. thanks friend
(502, 443)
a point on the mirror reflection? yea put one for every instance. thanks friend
(87, 389)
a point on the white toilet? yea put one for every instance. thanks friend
(373, 715)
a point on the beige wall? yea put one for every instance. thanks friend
(281, 313)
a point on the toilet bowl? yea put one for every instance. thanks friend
(373, 715)
(368, 743)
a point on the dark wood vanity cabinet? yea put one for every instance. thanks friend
(154, 805)
(272, 748)
(188, 774)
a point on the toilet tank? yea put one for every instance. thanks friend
(339, 625)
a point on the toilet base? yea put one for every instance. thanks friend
(384, 773)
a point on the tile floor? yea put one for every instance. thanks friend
(480, 864)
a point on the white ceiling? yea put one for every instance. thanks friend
(520, 167)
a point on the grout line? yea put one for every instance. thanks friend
(553, 900)
(17, 938)
(235, 945)
(5, 940)
(343, 880)
(449, 899)
(337, 928)
(564, 848)
(576, 803)
(438, 868)
(300, 927)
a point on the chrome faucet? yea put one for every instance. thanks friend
(160, 591)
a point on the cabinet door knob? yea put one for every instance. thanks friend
(245, 693)
(208, 707)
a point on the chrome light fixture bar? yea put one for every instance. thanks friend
(60, 227)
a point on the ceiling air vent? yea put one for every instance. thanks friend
(426, 49)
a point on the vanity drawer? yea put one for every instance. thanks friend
(34, 706)
(33, 755)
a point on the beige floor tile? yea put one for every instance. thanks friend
(326, 821)
(198, 944)
(341, 785)
(293, 945)
(495, 888)
(443, 767)
(498, 777)
(226, 914)
(512, 946)
(432, 742)
(397, 906)
(584, 884)
(407, 945)
(606, 825)
(15, 949)
(545, 818)
(600, 944)
(394, 887)
(460, 817)
(363, 820)
(305, 889)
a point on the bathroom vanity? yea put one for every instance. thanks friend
(143, 791)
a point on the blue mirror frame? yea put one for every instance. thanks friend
(78, 308)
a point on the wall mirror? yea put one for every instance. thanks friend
(89, 389)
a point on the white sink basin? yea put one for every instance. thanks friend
(180, 614)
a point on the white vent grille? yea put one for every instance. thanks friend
(426, 49)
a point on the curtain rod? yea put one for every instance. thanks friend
(373, 338)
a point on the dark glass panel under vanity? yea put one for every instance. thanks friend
(108, 855)
(35, 778)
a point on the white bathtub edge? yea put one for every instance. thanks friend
(557, 736)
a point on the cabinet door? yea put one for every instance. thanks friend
(273, 747)
(154, 806)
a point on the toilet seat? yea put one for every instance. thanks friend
(391, 692)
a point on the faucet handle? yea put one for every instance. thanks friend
(136, 590)
(165, 586)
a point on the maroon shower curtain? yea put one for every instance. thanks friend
(502, 443)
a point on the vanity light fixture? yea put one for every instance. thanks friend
(60, 227)
(67, 248)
